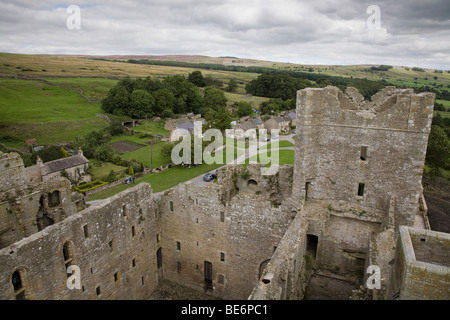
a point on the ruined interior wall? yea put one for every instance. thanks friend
(424, 279)
(288, 272)
(19, 216)
(131, 257)
(250, 230)
(12, 174)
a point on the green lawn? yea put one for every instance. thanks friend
(281, 144)
(285, 157)
(100, 170)
(160, 181)
(152, 127)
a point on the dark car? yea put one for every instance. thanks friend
(209, 177)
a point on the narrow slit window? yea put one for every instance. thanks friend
(178, 266)
(363, 154)
(178, 245)
(361, 189)
(85, 231)
(222, 216)
(133, 231)
(124, 210)
(171, 205)
(222, 256)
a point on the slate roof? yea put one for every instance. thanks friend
(292, 115)
(64, 163)
(189, 126)
(257, 121)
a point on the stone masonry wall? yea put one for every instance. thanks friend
(333, 130)
(113, 243)
(421, 268)
(237, 236)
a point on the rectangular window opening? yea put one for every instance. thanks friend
(361, 189)
(222, 256)
(178, 267)
(222, 216)
(171, 205)
(116, 276)
(133, 231)
(178, 245)
(363, 154)
(97, 290)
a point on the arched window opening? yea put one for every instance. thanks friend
(18, 284)
(68, 254)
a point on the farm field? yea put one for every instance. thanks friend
(33, 109)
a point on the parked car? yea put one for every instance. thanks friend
(209, 177)
(274, 137)
(294, 131)
(265, 139)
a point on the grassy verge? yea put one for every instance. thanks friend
(161, 181)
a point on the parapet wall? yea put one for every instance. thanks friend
(422, 266)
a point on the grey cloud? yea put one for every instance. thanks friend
(416, 32)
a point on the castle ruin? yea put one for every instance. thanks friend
(352, 200)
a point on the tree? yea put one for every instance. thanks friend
(214, 98)
(438, 150)
(223, 120)
(103, 152)
(244, 109)
(232, 86)
(142, 104)
(196, 78)
(131, 171)
(164, 100)
(111, 176)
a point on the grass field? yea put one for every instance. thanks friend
(33, 109)
(160, 181)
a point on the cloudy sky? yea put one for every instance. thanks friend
(402, 32)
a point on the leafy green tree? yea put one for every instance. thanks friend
(214, 98)
(164, 100)
(131, 171)
(232, 86)
(438, 150)
(244, 109)
(103, 152)
(111, 176)
(209, 118)
(223, 120)
(196, 77)
(142, 104)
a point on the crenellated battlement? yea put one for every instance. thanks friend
(390, 109)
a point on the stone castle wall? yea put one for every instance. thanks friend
(422, 266)
(237, 235)
(113, 243)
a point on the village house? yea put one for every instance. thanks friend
(75, 168)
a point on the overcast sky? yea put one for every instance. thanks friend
(407, 33)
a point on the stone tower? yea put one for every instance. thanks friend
(370, 154)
